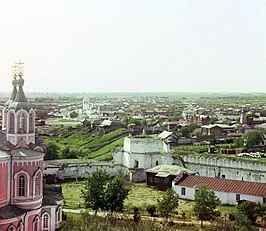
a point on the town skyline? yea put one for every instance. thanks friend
(145, 46)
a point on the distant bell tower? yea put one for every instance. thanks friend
(18, 114)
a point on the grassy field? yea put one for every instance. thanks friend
(140, 196)
(72, 194)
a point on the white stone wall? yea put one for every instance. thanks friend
(229, 169)
(145, 145)
(65, 171)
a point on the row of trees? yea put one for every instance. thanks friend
(101, 192)
(108, 194)
(53, 152)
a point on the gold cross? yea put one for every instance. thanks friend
(19, 68)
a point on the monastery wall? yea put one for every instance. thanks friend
(66, 171)
(226, 168)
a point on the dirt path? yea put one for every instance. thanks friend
(159, 219)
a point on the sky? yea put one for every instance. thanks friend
(134, 45)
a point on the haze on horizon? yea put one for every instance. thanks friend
(135, 46)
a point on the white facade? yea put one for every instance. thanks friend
(226, 168)
(139, 154)
(225, 197)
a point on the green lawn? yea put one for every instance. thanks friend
(72, 194)
(140, 196)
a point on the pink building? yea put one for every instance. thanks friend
(26, 204)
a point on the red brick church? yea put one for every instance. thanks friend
(26, 203)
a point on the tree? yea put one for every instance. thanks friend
(185, 131)
(151, 209)
(94, 190)
(243, 223)
(116, 192)
(253, 138)
(252, 210)
(168, 203)
(51, 151)
(73, 114)
(205, 204)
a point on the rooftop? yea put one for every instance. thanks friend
(224, 185)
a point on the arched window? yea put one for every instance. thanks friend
(45, 221)
(38, 184)
(12, 123)
(31, 125)
(11, 228)
(22, 123)
(22, 186)
(36, 224)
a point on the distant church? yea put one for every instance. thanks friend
(26, 203)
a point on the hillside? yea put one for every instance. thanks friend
(83, 143)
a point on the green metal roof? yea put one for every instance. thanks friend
(20, 105)
(3, 154)
(25, 153)
(166, 170)
(217, 125)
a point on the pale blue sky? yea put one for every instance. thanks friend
(135, 45)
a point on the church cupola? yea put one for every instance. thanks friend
(20, 116)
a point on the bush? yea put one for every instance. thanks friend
(151, 209)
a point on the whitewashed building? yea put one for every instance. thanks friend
(228, 191)
(139, 154)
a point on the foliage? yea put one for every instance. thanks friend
(253, 138)
(51, 151)
(105, 193)
(205, 204)
(85, 221)
(220, 224)
(67, 153)
(187, 130)
(251, 210)
(151, 209)
(243, 223)
(73, 114)
(41, 113)
(239, 142)
(116, 192)
(94, 190)
(169, 203)
(80, 141)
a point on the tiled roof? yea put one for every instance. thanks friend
(224, 185)
(10, 211)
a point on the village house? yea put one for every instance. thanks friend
(217, 129)
(230, 192)
(161, 176)
(110, 125)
